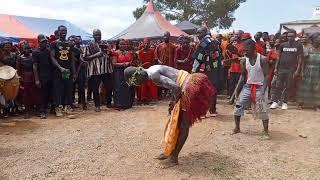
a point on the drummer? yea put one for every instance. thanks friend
(9, 58)
(29, 90)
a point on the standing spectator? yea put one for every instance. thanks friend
(207, 61)
(272, 57)
(266, 39)
(226, 54)
(309, 86)
(80, 66)
(260, 45)
(123, 95)
(213, 68)
(99, 69)
(165, 52)
(183, 59)
(305, 43)
(235, 68)
(165, 55)
(203, 51)
(287, 68)
(29, 89)
(64, 72)
(107, 77)
(42, 69)
(149, 90)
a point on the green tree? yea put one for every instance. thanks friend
(217, 13)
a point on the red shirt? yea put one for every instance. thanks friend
(165, 53)
(236, 67)
(182, 54)
(122, 57)
(260, 47)
(146, 58)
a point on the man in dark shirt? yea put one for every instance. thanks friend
(287, 68)
(64, 71)
(42, 69)
(80, 66)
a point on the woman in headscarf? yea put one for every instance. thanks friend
(29, 90)
(123, 95)
(309, 86)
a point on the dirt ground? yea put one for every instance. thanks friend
(121, 145)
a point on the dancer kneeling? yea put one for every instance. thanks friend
(191, 95)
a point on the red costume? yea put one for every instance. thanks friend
(183, 58)
(261, 47)
(165, 53)
(272, 56)
(149, 90)
(236, 67)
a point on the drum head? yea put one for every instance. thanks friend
(7, 72)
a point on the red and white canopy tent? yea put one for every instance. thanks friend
(150, 25)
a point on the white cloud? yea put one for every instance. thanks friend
(110, 16)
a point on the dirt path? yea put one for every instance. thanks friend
(113, 145)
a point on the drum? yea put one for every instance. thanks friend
(9, 82)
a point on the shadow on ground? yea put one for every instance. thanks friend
(208, 164)
(18, 127)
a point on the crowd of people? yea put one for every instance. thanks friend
(62, 74)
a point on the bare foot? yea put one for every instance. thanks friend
(265, 135)
(161, 157)
(230, 102)
(235, 131)
(168, 163)
(214, 114)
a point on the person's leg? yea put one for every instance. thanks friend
(227, 80)
(237, 124)
(288, 78)
(265, 126)
(277, 91)
(68, 91)
(273, 88)
(213, 108)
(107, 82)
(73, 96)
(44, 90)
(241, 104)
(81, 92)
(263, 109)
(95, 82)
(57, 90)
(90, 89)
(232, 83)
(184, 126)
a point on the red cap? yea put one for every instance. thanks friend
(146, 40)
(246, 36)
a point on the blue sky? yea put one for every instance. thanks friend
(266, 15)
(113, 16)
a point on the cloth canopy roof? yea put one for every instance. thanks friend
(311, 30)
(187, 27)
(150, 25)
(29, 27)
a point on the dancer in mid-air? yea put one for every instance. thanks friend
(191, 96)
